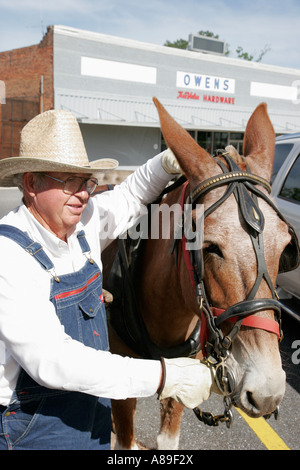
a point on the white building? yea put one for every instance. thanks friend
(109, 82)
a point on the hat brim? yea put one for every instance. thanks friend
(12, 166)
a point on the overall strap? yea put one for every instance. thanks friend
(33, 248)
(85, 247)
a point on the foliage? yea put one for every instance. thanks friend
(178, 44)
(244, 55)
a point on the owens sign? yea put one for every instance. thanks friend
(205, 82)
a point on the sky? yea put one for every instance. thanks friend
(251, 24)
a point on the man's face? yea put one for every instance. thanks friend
(57, 211)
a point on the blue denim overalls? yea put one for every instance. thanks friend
(47, 419)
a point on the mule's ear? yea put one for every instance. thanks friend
(259, 142)
(193, 159)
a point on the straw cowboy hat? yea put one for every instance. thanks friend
(52, 141)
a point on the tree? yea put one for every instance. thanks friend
(244, 55)
(240, 53)
(178, 44)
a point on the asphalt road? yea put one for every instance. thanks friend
(196, 436)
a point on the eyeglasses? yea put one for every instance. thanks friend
(74, 184)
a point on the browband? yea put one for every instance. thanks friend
(227, 178)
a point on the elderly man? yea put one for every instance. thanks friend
(56, 374)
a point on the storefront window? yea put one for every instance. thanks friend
(204, 139)
(236, 135)
(163, 144)
(212, 141)
(220, 140)
(192, 134)
(236, 140)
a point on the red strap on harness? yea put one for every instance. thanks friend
(252, 321)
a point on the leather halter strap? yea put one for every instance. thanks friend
(251, 320)
(227, 178)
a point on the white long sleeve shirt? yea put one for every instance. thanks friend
(31, 335)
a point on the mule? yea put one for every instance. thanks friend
(226, 284)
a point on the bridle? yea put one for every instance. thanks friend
(214, 344)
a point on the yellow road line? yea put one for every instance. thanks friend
(265, 433)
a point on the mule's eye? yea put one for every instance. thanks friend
(213, 249)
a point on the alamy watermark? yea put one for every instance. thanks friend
(296, 353)
(167, 223)
(2, 92)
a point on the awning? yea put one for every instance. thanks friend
(134, 111)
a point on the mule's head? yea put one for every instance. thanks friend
(230, 261)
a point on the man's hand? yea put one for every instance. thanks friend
(188, 381)
(170, 163)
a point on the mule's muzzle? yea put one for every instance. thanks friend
(261, 394)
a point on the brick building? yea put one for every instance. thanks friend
(28, 77)
(108, 83)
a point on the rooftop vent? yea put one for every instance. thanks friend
(206, 44)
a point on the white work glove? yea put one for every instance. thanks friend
(170, 163)
(188, 381)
